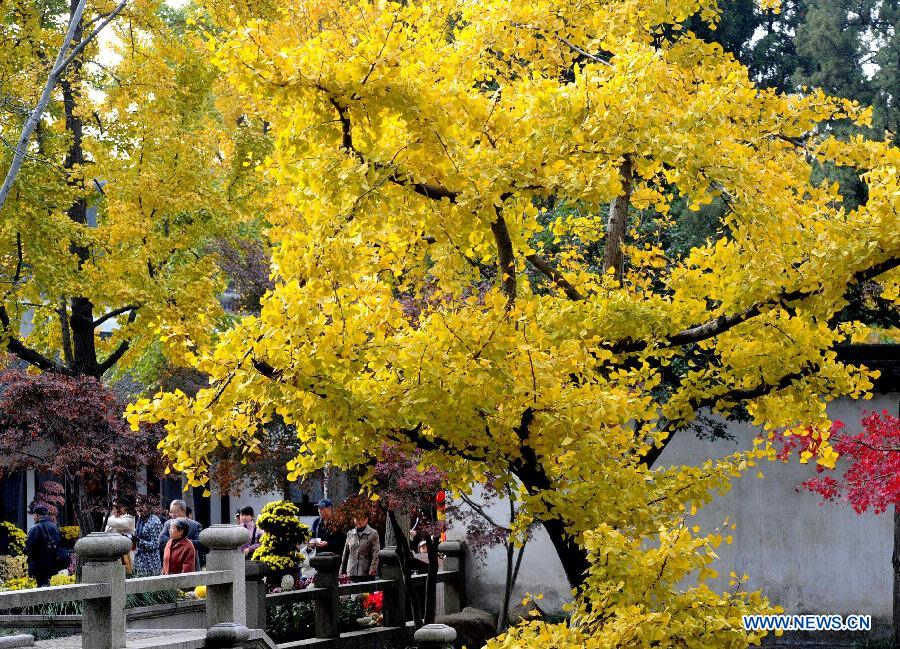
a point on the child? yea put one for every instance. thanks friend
(179, 555)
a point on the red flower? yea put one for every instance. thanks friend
(373, 602)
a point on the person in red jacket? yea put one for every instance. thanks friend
(179, 555)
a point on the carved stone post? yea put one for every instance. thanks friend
(226, 635)
(455, 589)
(435, 636)
(394, 606)
(326, 607)
(103, 620)
(256, 594)
(226, 602)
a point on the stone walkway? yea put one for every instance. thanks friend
(150, 639)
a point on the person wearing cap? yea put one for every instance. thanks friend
(43, 546)
(327, 536)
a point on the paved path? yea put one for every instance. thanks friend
(150, 639)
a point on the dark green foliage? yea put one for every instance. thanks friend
(290, 622)
(296, 621)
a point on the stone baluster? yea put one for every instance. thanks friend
(256, 594)
(435, 636)
(326, 565)
(455, 589)
(103, 620)
(226, 602)
(394, 606)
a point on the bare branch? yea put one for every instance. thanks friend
(478, 509)
(63, 59)
(84, 42)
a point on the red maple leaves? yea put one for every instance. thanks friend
(870, 461)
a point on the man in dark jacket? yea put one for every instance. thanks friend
(327, 536)
(43, 547)
(178, 511)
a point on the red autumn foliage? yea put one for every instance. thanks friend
(870, 460)
(404, 489)
(72, 428)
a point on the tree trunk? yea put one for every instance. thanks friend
(895, 561)
(613, 257)
(391, 537)
(285, 487)
(531, 474)
(573, 556)
(507, 589)
(81, 320)
(404, 554)
(431, 581)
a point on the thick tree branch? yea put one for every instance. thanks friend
(735, 395)
(713, 328)
(436, 444)
(90, 37)
(113, 358)
(544, 266)
(16, 347)
(116, 312)
(613, 256)
(266, 370)
(123, 347)
(506, 261)
(428, 190)
(65, 333)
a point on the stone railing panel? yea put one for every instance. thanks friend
(183, 581)
(51, 595)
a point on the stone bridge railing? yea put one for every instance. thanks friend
(236, 597)
(327, 591)
(104, 587)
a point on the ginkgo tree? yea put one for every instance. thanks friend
(133, 169)
(417, 148)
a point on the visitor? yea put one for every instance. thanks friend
(246, 520)
(43, 547)
(121, 522)
(326, 535)
(148, 528)
(360, 558)
(178, 511)
(179, 555)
